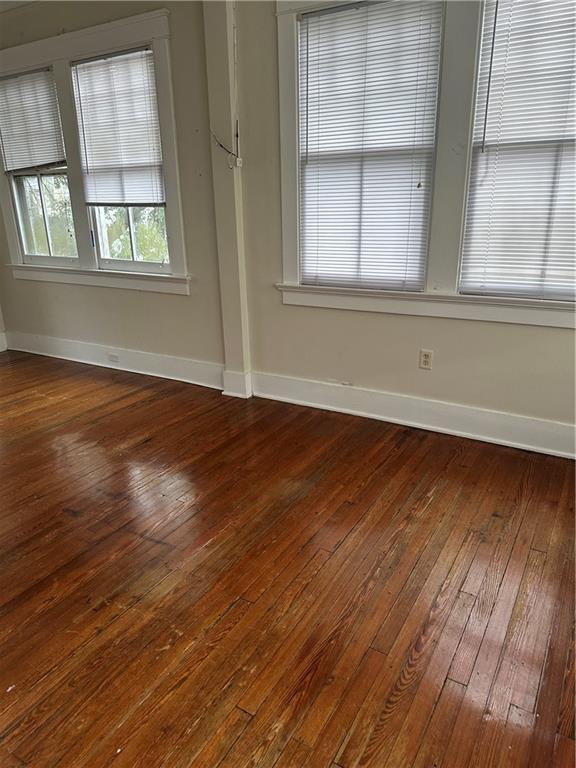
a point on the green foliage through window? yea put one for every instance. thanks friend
(132, 233)
(46, 215)
(150, 234)
(59, 215)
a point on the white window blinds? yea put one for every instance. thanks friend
(30, 127)
(119, 131)
(519, 236)
(368, 82)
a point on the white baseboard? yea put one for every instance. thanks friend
(164, 366)
(552, 437)
(237, 384)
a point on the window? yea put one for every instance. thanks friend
(35, 160)
(368, 83)
(394, 198)
(88, 149)
(519, 236)
(122, 157)
(45, 214)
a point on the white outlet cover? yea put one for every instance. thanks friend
(426, 358)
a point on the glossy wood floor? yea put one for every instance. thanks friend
(190, 580)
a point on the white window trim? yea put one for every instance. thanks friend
(453, 153)
(104, 278)
(491, 309)
(58, 52)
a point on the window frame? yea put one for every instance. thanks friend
(58, 54)
(135, 265)
(379, 153)
(453, 156)
(44, 260)
(570, 306)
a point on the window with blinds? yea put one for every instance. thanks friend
(84, 181)
(519, 234)
(119, 129)
(33, 155)
(368, 85)
(121, 155)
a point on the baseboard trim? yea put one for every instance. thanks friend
(165, 366)
(551, 437)
(237, 384)
(531, 434)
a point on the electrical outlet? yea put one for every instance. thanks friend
(113, 357)
(426, 357)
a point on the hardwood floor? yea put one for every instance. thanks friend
(189, 580)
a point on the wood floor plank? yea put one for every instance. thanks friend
(188, 579)
(30, 651)
(433, 743)
(294, 755)
(549, 698)
(468, 724)
(218, 744)
(516, 738)
(566, 718)
(183, 663)
(258, 654)
(377, 723)
(332, 585)
(363, 563)
(417, 538)
(396, 618)
(515, 659)
(405, 748)
(488, 569)
(564, 752)
(87, 703)
(335, 730)
(525, 689)
(8, 760)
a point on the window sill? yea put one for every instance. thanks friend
(555, 314)
(138, 281)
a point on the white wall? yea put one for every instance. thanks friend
(519, 369)
(186, 326)
(513, 368)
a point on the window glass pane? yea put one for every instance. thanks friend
(149, 229)
(31, 217)
(59, 215)
(113, 232)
